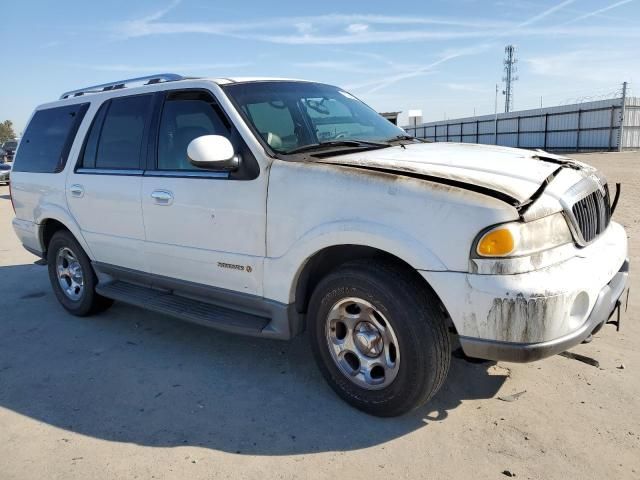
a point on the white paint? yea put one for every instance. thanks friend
(275, 223)
(211, 149)
(210, 221)
(110, 217)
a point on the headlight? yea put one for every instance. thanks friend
(516, 239)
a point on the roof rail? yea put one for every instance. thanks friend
(150, 79)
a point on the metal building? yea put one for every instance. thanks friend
(391, 116)
(591, 126)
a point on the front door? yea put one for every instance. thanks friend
(202, 226)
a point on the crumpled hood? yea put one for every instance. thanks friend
(511, 171)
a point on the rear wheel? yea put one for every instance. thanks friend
(379, 337)
(72, 276)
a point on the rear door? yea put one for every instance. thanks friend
(203, 226)
(103, 191)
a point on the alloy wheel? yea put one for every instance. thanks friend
(70, 274)
(362, 343)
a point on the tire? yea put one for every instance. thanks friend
(84, 300)
(404, 311)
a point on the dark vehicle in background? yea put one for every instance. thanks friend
(5, 172)
(9, 148)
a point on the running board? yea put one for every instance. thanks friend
(183, 308)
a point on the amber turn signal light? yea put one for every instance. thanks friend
(496, 243)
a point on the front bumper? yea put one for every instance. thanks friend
(612, 296)
(527, 316)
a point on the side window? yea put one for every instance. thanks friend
(91, 145)
(275, 124)
(185, 116)
(116, 139)
(48, 138)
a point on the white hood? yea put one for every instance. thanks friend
(515, 172)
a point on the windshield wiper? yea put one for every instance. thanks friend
(337, 143)
(398, 138)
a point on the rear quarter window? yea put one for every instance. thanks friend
(45, 146)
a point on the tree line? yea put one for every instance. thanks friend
(6, 131)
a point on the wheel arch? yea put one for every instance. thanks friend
(47, 229)
(53, 222)
(323, 261)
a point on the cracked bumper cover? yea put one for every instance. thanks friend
(528, 316)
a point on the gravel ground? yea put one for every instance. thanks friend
(130, 394)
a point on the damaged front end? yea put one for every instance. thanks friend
(543, 274)
(543, 284)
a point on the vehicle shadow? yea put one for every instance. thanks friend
(5, 197)
(128, 375)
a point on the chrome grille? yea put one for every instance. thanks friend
(592, 214)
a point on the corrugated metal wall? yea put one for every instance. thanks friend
(631, 130)
(578, 127)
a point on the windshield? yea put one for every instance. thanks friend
(10, 145)
(291, 115)
(4, 166)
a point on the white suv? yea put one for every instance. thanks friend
(264, 207)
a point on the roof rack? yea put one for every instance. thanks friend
(150, 79)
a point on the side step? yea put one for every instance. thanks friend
(167, 303)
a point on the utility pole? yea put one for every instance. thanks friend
(510, 76)
(622, 114)
(495, 121)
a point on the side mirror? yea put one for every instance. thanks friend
(213, 152)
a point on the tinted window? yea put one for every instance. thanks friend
(121, 136)
(186, 116)
(46, 142)
(91, 145)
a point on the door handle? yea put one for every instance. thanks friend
(76, 190)
(162, 197)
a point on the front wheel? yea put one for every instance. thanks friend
(72, 276)
(379, 337)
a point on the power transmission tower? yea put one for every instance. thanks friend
(510, 70)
